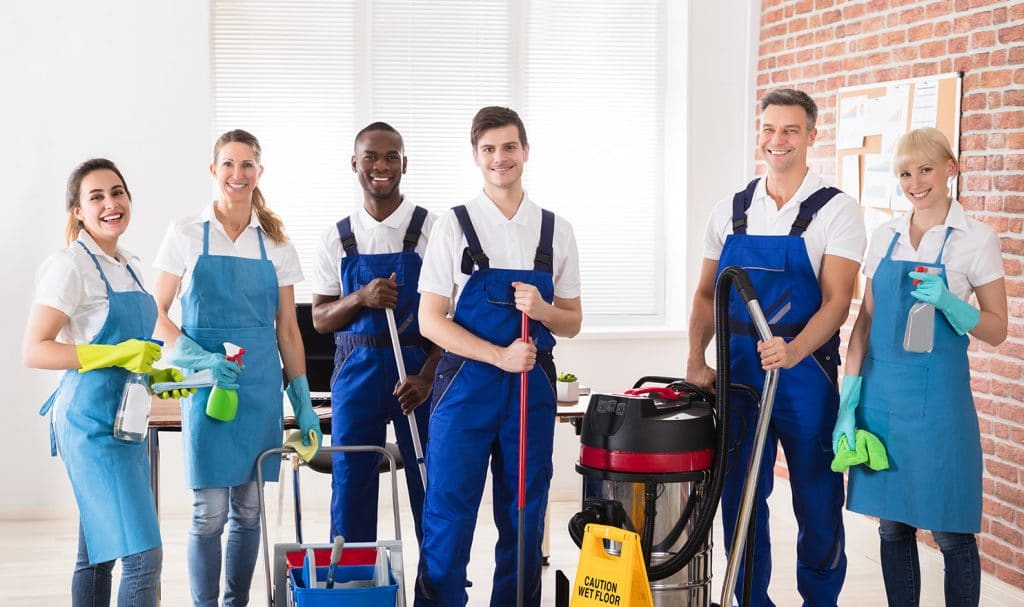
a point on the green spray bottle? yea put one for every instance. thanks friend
(222, 403)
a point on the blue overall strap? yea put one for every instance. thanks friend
(474, 253)
(542, 261)
(412, 233)
(740, 203)
(809, 208)
(348, 239)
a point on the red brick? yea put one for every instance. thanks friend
(997, 57)
(995, 141)
(1016, 55)
(920, 32)
(772, 16)
(1010, 576)
(914, 14)
(995, 100)
(1013, 97)
(995, 162)
(976, 122)
(780, 76)
(972, 21)
(1014, 162)
(1012, 267)
(933, 49)
(804, 6)
(850, 64)
(974, 101)
(1017, 12)
(937, 9)
(958, 45)
(978, 142)
(835, 49)
(1008, 535)
(831, 67)
(1010, 34)
(877, 6)
(996, 549)
(824, 35)
(893, 38)
(798, 25)
(977, 183)
(1009, 370)
(830, 17)
(804, 40)
(881, 58)
(820, 4)
(904, 54)
(1015, 141)
(999, 16)
(1009, 120)
(811, 71)
(853, 11)
(1008, 183)
(786, 59)
(996, 78)
(983, 39)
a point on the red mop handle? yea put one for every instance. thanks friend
(524, 381)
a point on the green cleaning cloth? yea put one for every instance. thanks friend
(305, 452)
(869, 451)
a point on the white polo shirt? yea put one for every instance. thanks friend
(972, 255)
(372, 237)
(183, 244)
(508, 243)
(68, 281)
(837, 229)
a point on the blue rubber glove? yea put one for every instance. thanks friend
(187, 354)
(302, 405)
(849, 398)
(932, 289)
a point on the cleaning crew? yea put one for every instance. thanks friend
(917, 400)
(234, 269)
(801, 244)
(488, 262)
(92, 316)
(366, 263)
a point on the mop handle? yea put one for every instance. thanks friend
(400, 363)
(524, 381)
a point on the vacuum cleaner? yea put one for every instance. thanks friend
(653, 462)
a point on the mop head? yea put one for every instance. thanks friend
(869, 451)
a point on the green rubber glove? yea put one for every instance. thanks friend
(932, 289)
(302, 405)
(849, 398)
(135, 355)
(169, 375)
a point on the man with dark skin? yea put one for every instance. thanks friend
(369, 262)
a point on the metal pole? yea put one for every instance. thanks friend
(413, 427)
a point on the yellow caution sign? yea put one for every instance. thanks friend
(608, 580)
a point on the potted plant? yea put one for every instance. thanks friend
(567, 388)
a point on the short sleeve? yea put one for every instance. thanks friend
(437, 274)
(326, 267)
(846, 235)
(288, 267)
(880, 239)
(988, 263)
(714, 230)
(171, 257)
(567, 273)
(59, 284)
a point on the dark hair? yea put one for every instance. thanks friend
(73, 200)
(269, 221)
(380, 126)
(793, 97)
(495, 117)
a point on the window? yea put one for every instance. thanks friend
(589, 79)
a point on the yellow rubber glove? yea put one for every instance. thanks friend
(169, 375)
(135, 355)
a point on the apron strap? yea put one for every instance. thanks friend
(892, 245)
(542, 261)
(740, 203)
(945, 239)
(474, 253)
(415, 229)
(348, 239)
(809, 208)
(99, 269)
(263, 249)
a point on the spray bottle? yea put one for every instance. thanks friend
(919, 335)
(223, 403)
(132, 419)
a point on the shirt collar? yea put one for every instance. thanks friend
(493, 215)
(812, 183)
(122, 253)
(208, 215)
(393, 221)
(956, 218)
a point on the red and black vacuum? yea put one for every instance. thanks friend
(653, 462)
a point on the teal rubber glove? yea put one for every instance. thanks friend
(135, 355)
(169, 375)
(932, 289)
(187, 354)
(302, 405)
(849, 398)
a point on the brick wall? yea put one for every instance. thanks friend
(819, 46)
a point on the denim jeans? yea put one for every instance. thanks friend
(211, 509)
(901, 569)
(140, 575)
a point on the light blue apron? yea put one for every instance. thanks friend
(234, 299)
(110, 477)
(921, 407)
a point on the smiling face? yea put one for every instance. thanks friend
(104, 207)
(236, 170)
(501, 156)
(379, 163)
(784, 138)
(925, 183)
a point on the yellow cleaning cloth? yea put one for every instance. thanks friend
(869, 451)
(295, 442)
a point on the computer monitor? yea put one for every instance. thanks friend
(319, 351)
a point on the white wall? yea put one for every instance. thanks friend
(130, 81)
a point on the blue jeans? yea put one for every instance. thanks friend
(140, 575)
(901, 569)
(212, 509)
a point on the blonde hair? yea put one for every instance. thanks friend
(923, 144)
(72, 199)
(269, 221)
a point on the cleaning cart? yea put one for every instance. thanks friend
(289, 572)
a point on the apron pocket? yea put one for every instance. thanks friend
(897, 388)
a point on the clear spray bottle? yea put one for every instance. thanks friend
(919, 336)
(222, 403)
(131, 422)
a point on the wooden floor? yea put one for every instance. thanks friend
(37, 557)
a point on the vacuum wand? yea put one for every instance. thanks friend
(524, 383)
(400, 363)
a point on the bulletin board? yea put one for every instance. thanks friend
(869, 121)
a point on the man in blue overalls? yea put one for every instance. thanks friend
(488, 262)
(801, 243)
(370, 261)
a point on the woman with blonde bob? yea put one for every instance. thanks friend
(916, 397)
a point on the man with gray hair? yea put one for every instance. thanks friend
(801, 243)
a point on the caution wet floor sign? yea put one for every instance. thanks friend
(609, 580)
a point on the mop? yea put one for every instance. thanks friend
(413, 428)
(524, 380)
